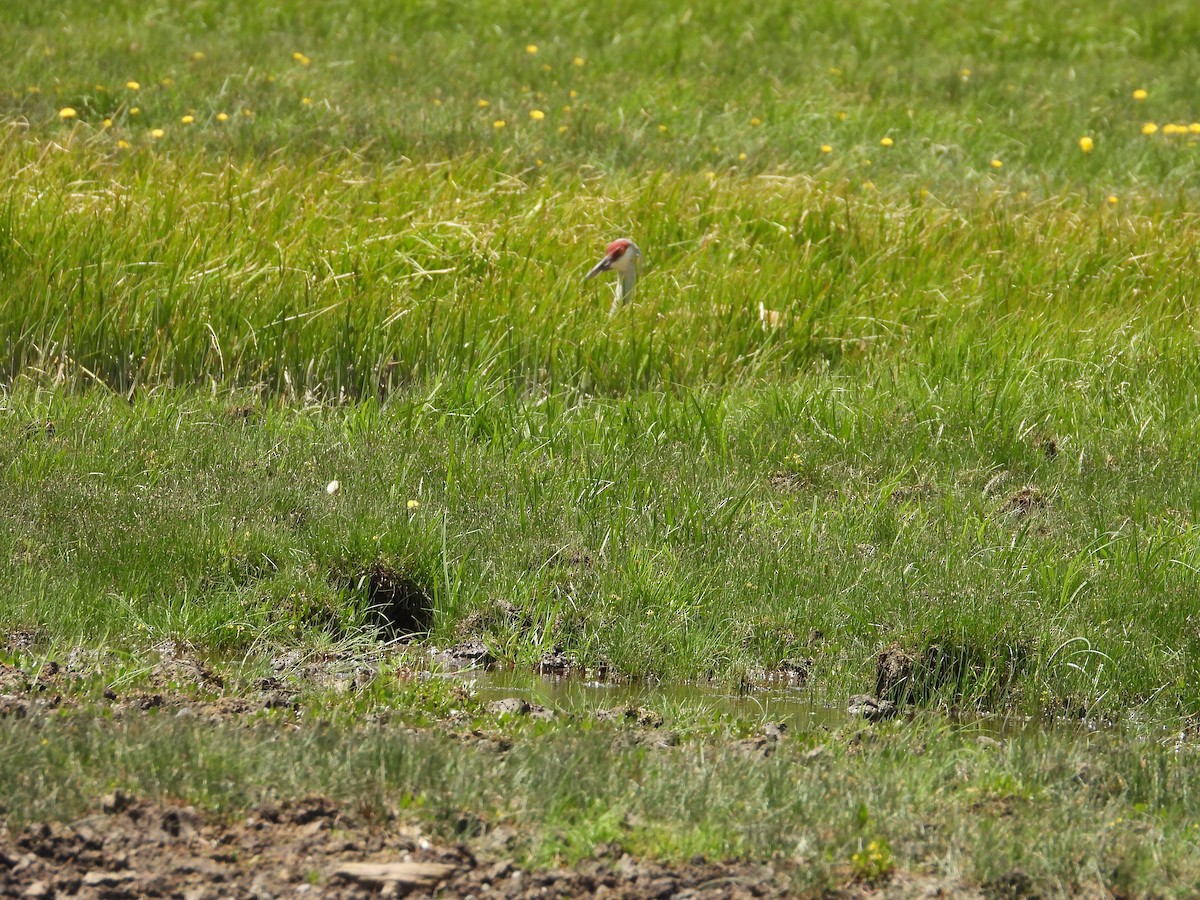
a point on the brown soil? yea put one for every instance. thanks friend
(311, 848)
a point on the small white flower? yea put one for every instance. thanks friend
(333, 487)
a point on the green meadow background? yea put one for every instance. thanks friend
(913, 361)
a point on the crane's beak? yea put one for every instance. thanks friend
(603, 266)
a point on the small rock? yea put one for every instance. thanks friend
(509, 706)
(37, 889)
(758, 747)
(116, 802)
(555, 662)
(870, 708)
(108, 879)
(473, 654)
(661, 887)
(383, 874)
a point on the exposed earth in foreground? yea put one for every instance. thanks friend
(311, 848)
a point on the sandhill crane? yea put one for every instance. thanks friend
(623, 257)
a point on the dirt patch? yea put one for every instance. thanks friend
(790, 482)
(893, 674)
(310, 847)
(468, 655)
(557, 662)
(1025, 501)
(640, 716)
(180, 666)
(23, 640)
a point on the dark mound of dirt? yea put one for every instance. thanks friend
(951, 668)
(312, 848)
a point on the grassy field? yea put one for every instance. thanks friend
(911, 371)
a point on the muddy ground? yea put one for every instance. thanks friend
(311, 848)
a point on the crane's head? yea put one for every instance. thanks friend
(622, 256)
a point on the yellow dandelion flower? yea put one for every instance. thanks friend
(437, 101)
(965, 73)
(572, 93)
(301, 58)
(577, 61)
(123, 144)
(1149, 128)
(107, 123)
(197, 55)
(537, 115)
(1194, 128)
(662, 129)
(1175, 129)
(33, 89)
(1112, 200)
(567, 108)
(842, 117)
(307, 101)
(414, 504)
(135, 110)
(997, 164)
(825, 148)
(157, 133)
(710, 175)
(499, 123)
(562, 129)
(222, 117)
(133, 86)
(1086, 144)
(482, 104)
(99, 88)
(741, 157)
(66, 112)
(868, 185)
(756, 121)
(188, 120)
(886, 142)
(248, 113)
(1140, 94)
(531, 49)
(167, 82)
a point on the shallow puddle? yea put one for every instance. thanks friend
(793, 706)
